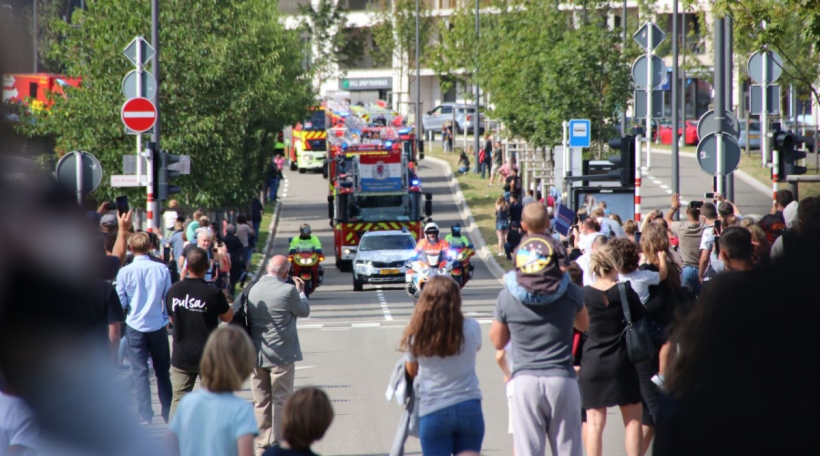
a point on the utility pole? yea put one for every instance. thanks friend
(419, 126)
(623, 50)
(728, 68)
(720, 106)
(475, 81)
(675, 117)
(155, 206)
(34, 32)
(764, 121)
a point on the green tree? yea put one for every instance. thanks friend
(394, 36)
(335, 47)
(231, 78)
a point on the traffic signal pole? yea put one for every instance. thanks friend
(675, 117)
(154, 206)
(720, 106)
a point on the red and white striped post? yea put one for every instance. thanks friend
(149, 200)
(775, 175)
(637, 178)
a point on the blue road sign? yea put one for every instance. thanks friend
(579, 133)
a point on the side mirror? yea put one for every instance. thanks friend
(430, 113)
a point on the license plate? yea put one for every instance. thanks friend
(389, 271)
(754, 136)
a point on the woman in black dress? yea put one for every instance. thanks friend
(607, 377)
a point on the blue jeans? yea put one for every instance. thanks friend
(463, 169)
(273, 189)
(485, 168)
(155, 345)
(689, 277)
(452, 430)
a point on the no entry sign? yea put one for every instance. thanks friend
(139, 114)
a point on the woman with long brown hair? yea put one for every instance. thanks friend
(441, 347)
(502, 222)
(659, 311)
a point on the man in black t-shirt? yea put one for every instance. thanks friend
(195, 309)
(108, 313)
(513, 182)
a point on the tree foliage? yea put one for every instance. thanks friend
(231, 78)
(334, 46)
(394, 34)
(540, 66)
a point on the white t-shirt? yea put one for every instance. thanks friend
(640, 281)
(707, 242)
(169, 218)
(18, 425)
(610, 227)
(585, 243)
(583, 263)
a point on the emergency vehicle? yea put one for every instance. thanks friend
(373, 190)
(307, 142)
(35, 89)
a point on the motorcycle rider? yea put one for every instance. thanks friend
(306, 240)
(455, 238)
(431, 242)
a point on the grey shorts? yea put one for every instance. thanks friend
(494, 169)
(532, 398)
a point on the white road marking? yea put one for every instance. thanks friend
(304, 367)
(383, 302)
(309, 326)
(484, 322)
(663, 186)
(657, 182)
(668, 192)
(375, 324)
(337, 328)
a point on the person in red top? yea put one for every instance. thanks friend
(432, 244)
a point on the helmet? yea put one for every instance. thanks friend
(304, 229)
(456, 230)
(431, 228)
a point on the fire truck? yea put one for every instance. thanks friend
(307, 148)
(373, 190)
(20, 88)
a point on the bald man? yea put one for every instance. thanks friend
(273, 307)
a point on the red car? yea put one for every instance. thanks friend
(690, 136)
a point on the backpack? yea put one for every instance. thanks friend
(773, 225)
(481, 156)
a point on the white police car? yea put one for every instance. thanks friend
(381, 257)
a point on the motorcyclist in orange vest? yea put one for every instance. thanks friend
(431, 244)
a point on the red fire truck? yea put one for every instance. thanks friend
(20, 88)
(373, 190)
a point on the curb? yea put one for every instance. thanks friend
(742, 175)
(467, 217)
(272, 229)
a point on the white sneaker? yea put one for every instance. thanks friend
(499, 254)
(658, 380)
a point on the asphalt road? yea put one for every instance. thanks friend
(657, 186)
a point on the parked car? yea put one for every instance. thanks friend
(637, 123)
(753, 135)
(690, 135)
(464, 114)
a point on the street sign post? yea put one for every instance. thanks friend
(81, 171)
(580, 133)
(138, 114)
(772, 98)
(640, 104)
(147, 85)
(139, 51)
(707, 154)
(707, 124)
(648, 37)
(764, 68)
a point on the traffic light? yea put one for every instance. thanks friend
(624, 161)
(786, 143)
(163, 175)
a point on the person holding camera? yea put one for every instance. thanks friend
(689, 232)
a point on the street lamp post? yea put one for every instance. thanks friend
(475, 82)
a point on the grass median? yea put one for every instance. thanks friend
(262, 240)
(479, 197)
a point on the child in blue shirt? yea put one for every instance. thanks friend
(213, 421)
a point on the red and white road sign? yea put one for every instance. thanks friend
(139, 114)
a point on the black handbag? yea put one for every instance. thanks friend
(240, 316)
(639, 346)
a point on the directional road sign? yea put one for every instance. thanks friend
(707, 124)
(639, 72)
(640, 104)
(130, 51)
(579, 133)
(774, 67)
(91, 171)
(148, 85)
(772, 99)
(707, 154)
(642, 36)
(139, 114)
(124, 180)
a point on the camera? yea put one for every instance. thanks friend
(709, 195)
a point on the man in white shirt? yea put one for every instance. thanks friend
(609, 227)
(169, 217)
(583, 260)
(19, 429)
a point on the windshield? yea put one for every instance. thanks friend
(383, 208)
(316, 121)
(391, 242)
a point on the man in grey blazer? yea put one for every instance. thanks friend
(273, 306)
